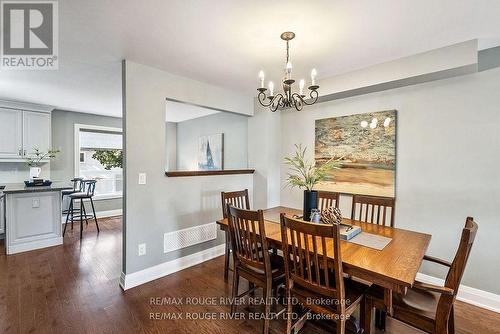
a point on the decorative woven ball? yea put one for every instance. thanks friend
(331, 216)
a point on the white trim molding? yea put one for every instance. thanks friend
(33, 245)
(26, 106)
(466, 294)
(76, 141)
(128, 281)
(109, 213)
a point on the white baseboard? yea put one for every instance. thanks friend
(128, 281)
(480, 298)
(109, 213)
(101, 214)
(37, 244)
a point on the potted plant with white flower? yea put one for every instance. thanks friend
(35, 160)
(304, 174)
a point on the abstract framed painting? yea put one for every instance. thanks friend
(366, 146)
(211, 152)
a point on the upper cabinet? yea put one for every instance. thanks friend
(11, 133)
(21, 131)
(36, 132)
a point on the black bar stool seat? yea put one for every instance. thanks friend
(77, 187)
(79, 195)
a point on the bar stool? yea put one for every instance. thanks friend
(87, 193)
(77, 187)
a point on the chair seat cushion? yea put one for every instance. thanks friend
(415, 303)
(354, 292)
(277, 266)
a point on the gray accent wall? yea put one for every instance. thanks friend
(166, 204)
(233, 126)
(448, 153)
(63, 128)
(171, 141)
(489, 58)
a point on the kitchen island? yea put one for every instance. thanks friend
(33, 216)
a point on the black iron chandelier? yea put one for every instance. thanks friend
(287, 98)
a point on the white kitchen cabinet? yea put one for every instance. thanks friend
(36, 132)
(21, 131)
(11, 133)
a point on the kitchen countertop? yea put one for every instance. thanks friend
(11, 188)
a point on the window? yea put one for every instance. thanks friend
(98, 156)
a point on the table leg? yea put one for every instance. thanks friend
(388, 301)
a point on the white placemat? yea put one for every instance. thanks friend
(371, 240)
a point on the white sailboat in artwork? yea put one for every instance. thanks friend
(210, 152)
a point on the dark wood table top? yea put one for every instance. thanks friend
(395, 267)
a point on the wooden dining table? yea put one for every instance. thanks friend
(394, 268)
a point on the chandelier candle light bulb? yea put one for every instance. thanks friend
(313, 77)
(302, 83)
(287, 98)
(261, 77)
(271, 88)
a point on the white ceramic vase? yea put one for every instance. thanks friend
(35, 172)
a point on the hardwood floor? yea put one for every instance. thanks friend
(74, 289)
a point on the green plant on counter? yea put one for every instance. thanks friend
(37, 157)
(109, 158)
(304, 173)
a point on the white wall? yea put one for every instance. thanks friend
(17, 172)
(448, 153)
(167, 204)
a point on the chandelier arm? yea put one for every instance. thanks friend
(298, 101)
(313, 95)
(279, 102)
(262, 97)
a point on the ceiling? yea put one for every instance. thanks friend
(179, 112)
(226, 42)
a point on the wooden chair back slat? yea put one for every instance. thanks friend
(238, 199)
(325, 262)
(310, 266)
(373, 209)
(327, 199)
(248, 238)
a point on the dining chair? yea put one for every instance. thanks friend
(327, 199)
(425, 306)
(373, 209)
(252, 259)
(309, 277)
(238, 199)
